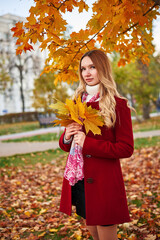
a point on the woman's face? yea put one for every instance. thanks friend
(89, 72)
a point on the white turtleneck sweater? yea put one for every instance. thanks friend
(92, 90)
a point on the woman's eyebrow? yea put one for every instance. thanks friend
(88, 65)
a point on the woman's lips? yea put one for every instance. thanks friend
(89, 79)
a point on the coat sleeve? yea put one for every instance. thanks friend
(63, 146)
(123, 146)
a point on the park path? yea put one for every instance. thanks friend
(12, 148)
(31, 133)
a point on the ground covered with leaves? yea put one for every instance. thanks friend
(30, 196)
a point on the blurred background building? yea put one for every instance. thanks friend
(21, 70)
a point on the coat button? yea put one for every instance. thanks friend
(88, 156)
(90, 180)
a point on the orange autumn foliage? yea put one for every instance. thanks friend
(116, 25)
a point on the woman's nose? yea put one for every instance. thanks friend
(87, 73)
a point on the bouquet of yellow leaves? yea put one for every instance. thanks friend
(77, 111)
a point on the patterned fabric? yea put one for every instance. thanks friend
(93, 99)
(74, 166)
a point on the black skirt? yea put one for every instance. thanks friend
(78, 199)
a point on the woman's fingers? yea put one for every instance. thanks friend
(79, 138)
(74, 126)
(72, 129)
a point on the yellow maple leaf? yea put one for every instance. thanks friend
(77, 234)
(43, 210)
(82, 6)
(31, 19)
(63, 122)
(81, 107)
(76, 111)
(60, 107)
(42, 234)
(28, 213)
(73, 109)
(53, 230)
(90, 113)
(91, 126)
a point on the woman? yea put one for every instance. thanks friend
(100, 197)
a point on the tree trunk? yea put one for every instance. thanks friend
(21, 87)
(145, 97)
(146, 110)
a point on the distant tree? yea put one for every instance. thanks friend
(45, 90)
(5, 79)
(23, 65)
(139, 82)
(126, 77)
(14, 68)
(149, 85)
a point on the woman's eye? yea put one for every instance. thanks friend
(82, 69)
(92, 66)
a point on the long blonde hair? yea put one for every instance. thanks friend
(108, 89)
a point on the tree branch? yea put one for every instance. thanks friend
(157, 2)
(28, 57)
(90, 40)
(60, 5)
(149, 10)
(128, 29)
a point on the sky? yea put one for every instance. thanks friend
(74, 19)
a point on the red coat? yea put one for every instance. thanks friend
(104, 187)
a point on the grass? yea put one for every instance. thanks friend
(10, 128)
(146, 142)
(37, 138)
(32, 158)
(147, 125)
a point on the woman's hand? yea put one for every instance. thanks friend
(79, 138)
(72, 129)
